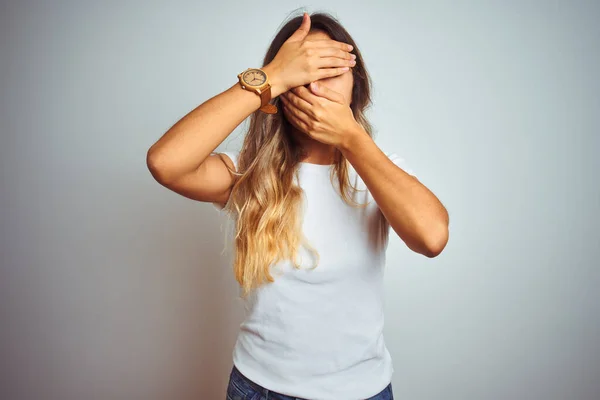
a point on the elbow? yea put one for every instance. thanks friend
(436, 242)
(156, 167)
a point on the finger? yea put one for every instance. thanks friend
(330, 43)
(302, 31)
(329, 62)
(296, 116)
(302, 98)
(297, 104)
(324, 91)
(291, 119)
(333, 52)
(324, 73)
(305, 100)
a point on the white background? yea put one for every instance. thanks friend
(115, 288)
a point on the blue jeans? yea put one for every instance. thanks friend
(242, 388)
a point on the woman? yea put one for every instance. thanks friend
(313, 198)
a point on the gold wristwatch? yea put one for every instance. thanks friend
(256, 80)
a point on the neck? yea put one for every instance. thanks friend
(315, 152)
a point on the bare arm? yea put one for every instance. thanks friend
(185, 146)
(413, 211)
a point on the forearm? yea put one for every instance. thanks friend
(412, 210)
(195, 136)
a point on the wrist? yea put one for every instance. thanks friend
(274, 79)
(354, 139)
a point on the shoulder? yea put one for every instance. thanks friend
(231, 154)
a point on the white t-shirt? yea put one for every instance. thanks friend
(318, 334)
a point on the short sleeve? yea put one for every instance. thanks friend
(233, 155)
(400, 162)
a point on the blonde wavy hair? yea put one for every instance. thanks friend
(266, 200)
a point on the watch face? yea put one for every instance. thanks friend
(254, 77)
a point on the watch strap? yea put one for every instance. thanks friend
(265, 97)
